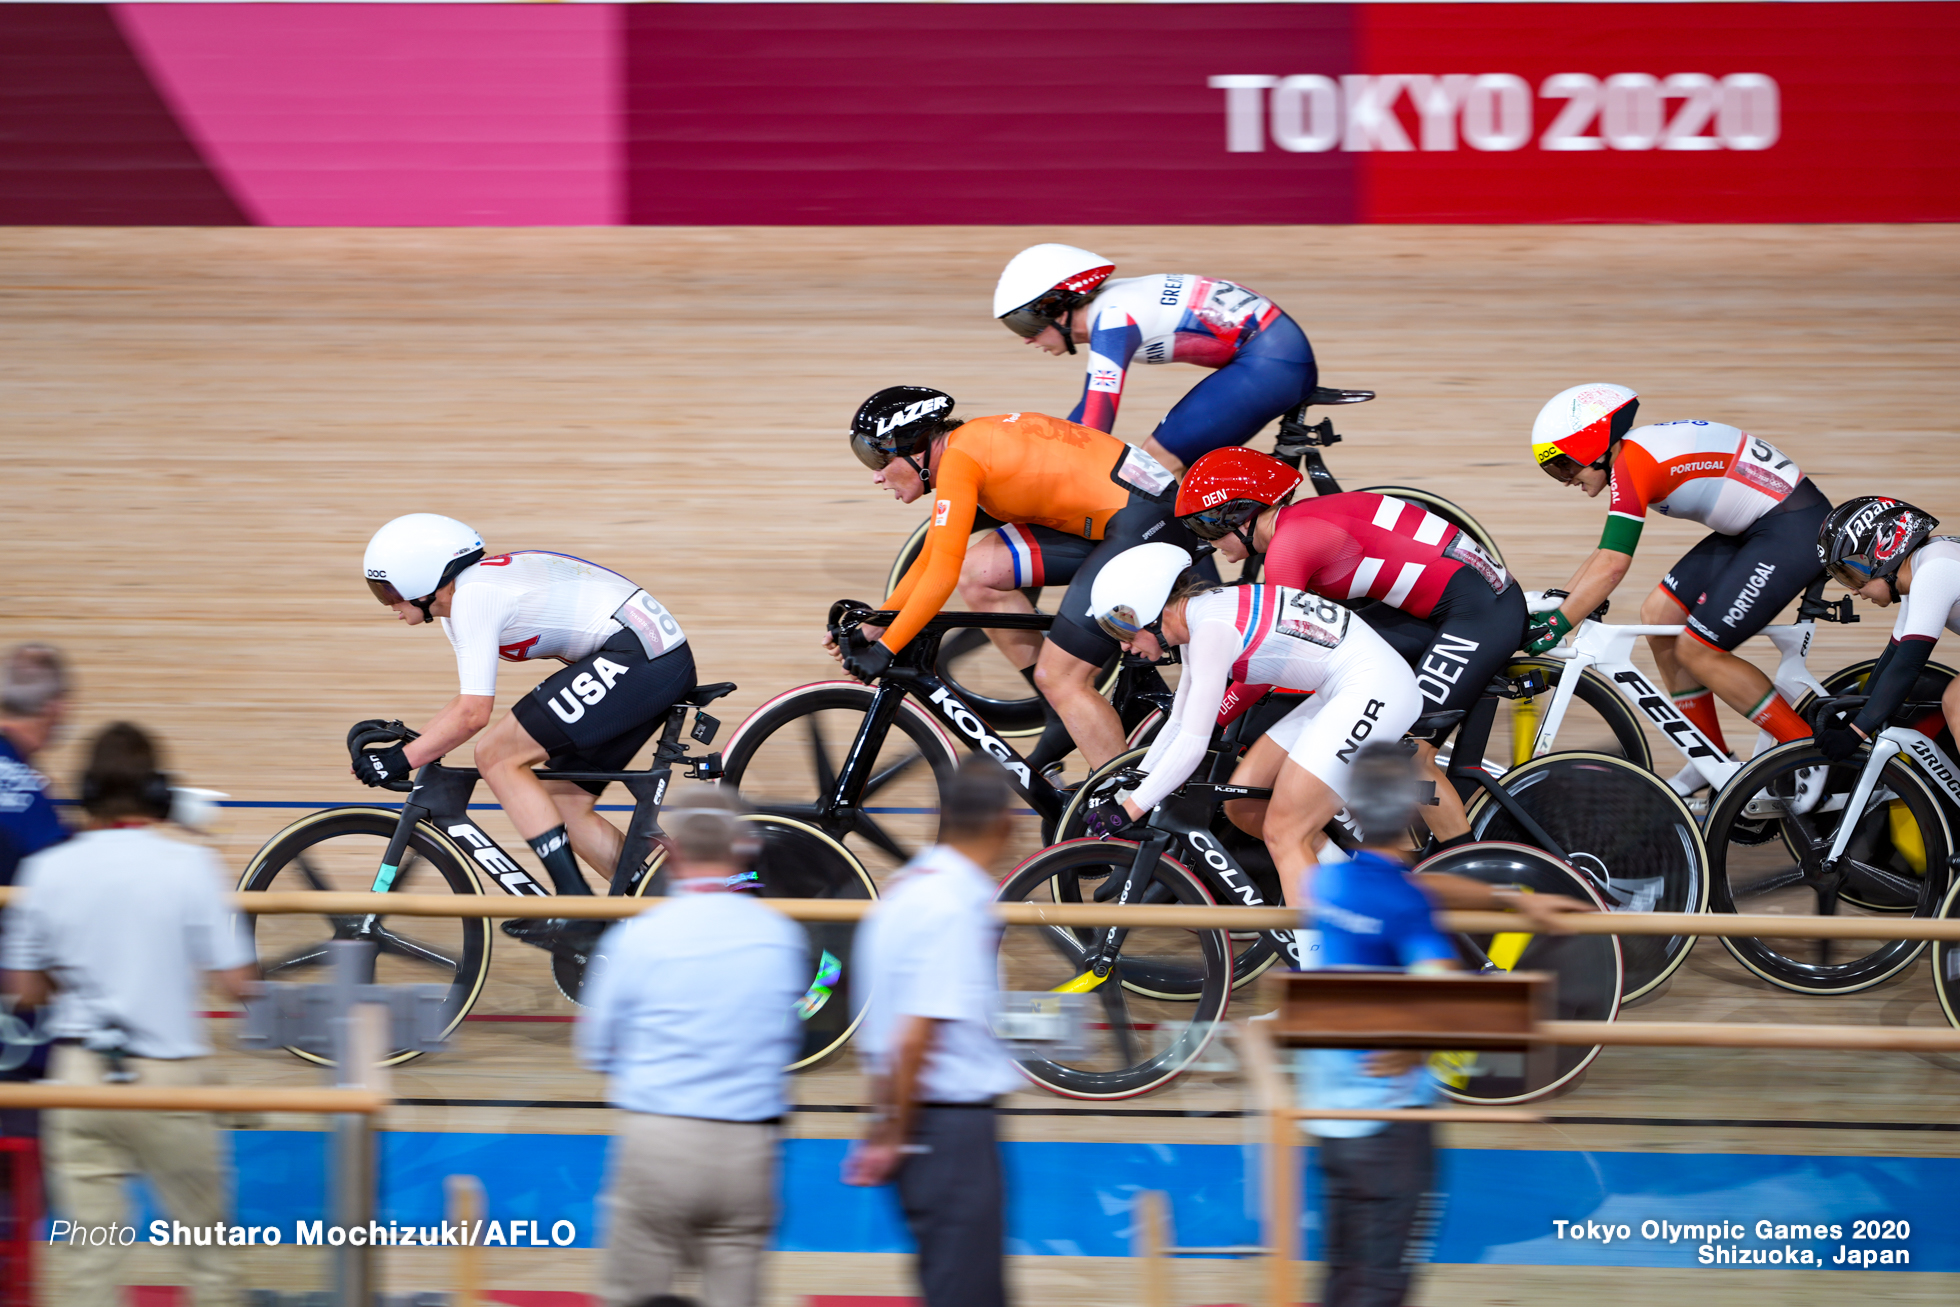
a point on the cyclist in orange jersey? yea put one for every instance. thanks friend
(1071, 497)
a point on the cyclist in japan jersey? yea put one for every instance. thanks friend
(1454, 613)
(1764, 515)
(1072, 498)
(626, 663)
(1884, 551)
(1265, 635)
(1058, 297)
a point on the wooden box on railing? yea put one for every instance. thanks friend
(1394, 1009)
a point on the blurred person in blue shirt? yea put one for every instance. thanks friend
(33, 702)
(691, 1012)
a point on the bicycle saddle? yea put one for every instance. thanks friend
(1330, 395)
(703, 695)
(1437, 721)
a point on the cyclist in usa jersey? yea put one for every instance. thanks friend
(626, 663)
(1884, 551)
(1451, 611)
(1151, 600)
(1762, 511)
(1058, 297)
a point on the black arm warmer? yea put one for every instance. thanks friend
(1892, 679)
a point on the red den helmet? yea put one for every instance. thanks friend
(1229, 487)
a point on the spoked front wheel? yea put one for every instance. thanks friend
(1894, 863)
(1588, 969)
(1625, 830)
(1158, 1006)
(340, 849)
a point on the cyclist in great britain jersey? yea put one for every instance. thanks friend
(1150, 599)
(1052, 482)
(1444, 604)
(627, 662)
(1884, 551)
(1762, 511)
(1059, 296)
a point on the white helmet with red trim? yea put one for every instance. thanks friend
(1577, 426)
(1043, 282)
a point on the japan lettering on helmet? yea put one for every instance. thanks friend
(1227, 486)
(412, 557)
(1867, 538)
(1577, 426)
(1043, 282)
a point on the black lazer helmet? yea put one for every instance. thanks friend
(897, 422)
(1865, 539)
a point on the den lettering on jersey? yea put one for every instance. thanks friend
(1307, 616)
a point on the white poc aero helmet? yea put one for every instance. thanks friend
(1578, 426)
(414, 556)
(1044, 282)
(1130, 592)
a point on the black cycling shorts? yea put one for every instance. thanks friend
(1734, 586)
(596, 713)
(1468, 638)
(1143, 520)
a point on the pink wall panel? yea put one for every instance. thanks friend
(397, 115)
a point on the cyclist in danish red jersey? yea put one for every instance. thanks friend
(1441, 602)
(627, 662)
(1058, 296)
(1072, 498)
(1151, 600)
(1884, 551)
(1763, 514)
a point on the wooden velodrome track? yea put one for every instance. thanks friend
(204, 426)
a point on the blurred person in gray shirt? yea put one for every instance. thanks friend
(929, 977)
(691, 1012)
(121, 927)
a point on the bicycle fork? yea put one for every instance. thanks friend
(1135, 884)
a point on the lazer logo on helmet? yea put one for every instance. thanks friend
(912, 413)
(974, 729)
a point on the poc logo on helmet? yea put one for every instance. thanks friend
(377, 573)
(911, 413)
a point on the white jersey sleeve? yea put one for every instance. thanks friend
(536, 604)
(475, 626)
(1932, 607)
(1181, 744)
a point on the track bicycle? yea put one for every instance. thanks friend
(991, 689)
(432, 844)
(1875, 838)
(1162, 991)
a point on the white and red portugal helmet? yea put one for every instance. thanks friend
(1577, 426)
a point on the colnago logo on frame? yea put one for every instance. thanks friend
(1311, 113)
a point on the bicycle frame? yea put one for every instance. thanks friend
(1889, 744)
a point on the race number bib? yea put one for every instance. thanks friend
(1763, 467)
(644, 616)
(1311, 618)
(1471, 554)
(1138, 471)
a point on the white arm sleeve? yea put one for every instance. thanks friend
(1181, 745)
(476, 625)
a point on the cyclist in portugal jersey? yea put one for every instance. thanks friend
(1451, 611)
(1058, 297)
(1266, 635)
(1072, 498)
(1884, 551)
(626, 663)
(1762, 511)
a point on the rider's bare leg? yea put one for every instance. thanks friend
(596, 840)
(1164, 456)
(1302, 805)
(1069, 685)
(1447, 819)
(1257, 769)
(505, 754)
(1662, 609)
(987, 586)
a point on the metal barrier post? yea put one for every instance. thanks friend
(1152, 1239)
(466, 1208)
(360, 1042)
(1282, 1225)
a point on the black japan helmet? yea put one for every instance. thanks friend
(898, 422)
(1865, 539)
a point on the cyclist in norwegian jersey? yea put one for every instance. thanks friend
(1764, 515)
(1057, 297)
(1072, 499)
(1150, 600)
(1884, 551)
(1452, 612)
(627, 663)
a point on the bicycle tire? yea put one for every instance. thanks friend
(1590, 971)
(1946, 961)
(1112, 1069)
(375, 827)
(1252, 952)
(1626, 830)
(789, 790)
(1450, 512)
(1011, 718)
(1767, 876)
(1597, 694)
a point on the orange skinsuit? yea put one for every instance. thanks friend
(1023, 467)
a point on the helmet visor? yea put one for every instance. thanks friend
(1853, 573)
(384, 591)
(869, 454)
(1216, 523)
(1027, 321)
(1120, 623)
